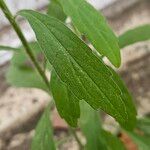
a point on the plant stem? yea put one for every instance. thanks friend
(28, 50)
(73, 132)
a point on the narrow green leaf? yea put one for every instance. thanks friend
(55, 10)
(143, 124)
(141, 141)
(67, 104)
(84, 74)
(97, 138)
(24, 77)
(141, 33)
(91, 128)
(8, 48)
(92, 23)
(43, 139)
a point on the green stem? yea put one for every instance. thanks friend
(28, 50)
(73, 132)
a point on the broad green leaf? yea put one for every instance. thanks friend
(92, 23)
(126, 97)
(141, 141)
(141, 33)
(43, 139)
(84, 74)
(91, 127)
(55, 10)
(143, 124)
(8, 48)
(97, 138)
(67, 104)
(24, 77)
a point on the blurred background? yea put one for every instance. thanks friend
(21, 108)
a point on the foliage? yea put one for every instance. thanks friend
(43, 139)
(81, 82)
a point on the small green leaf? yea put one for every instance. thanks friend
(8, 48)
(92, 23)
(84, 74)
(24, 77)
(97, 138)
(141, 33)
(67, 104)
(43, 139)
(141, 141)
(55, 10)
(143, 124)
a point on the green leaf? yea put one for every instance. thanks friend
(92, 23)
(141, 33)
(141, 141)
(43, 139)
(84, 74)
(91, 128)
(127, 99)
(8, 48)
(96, 137)
(24, 77)
(21, 59)
(55, 10)
(112, 141)
(21, 72)
(143, 124)
(67, 104)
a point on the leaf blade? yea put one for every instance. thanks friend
(88, 79)
(43, 139)
(141, 33)
(55, 10)
(67, 104)
(95, 27)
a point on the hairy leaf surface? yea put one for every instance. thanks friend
(43, 139)
(141, 33)
(84, 74)
(92, 23)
